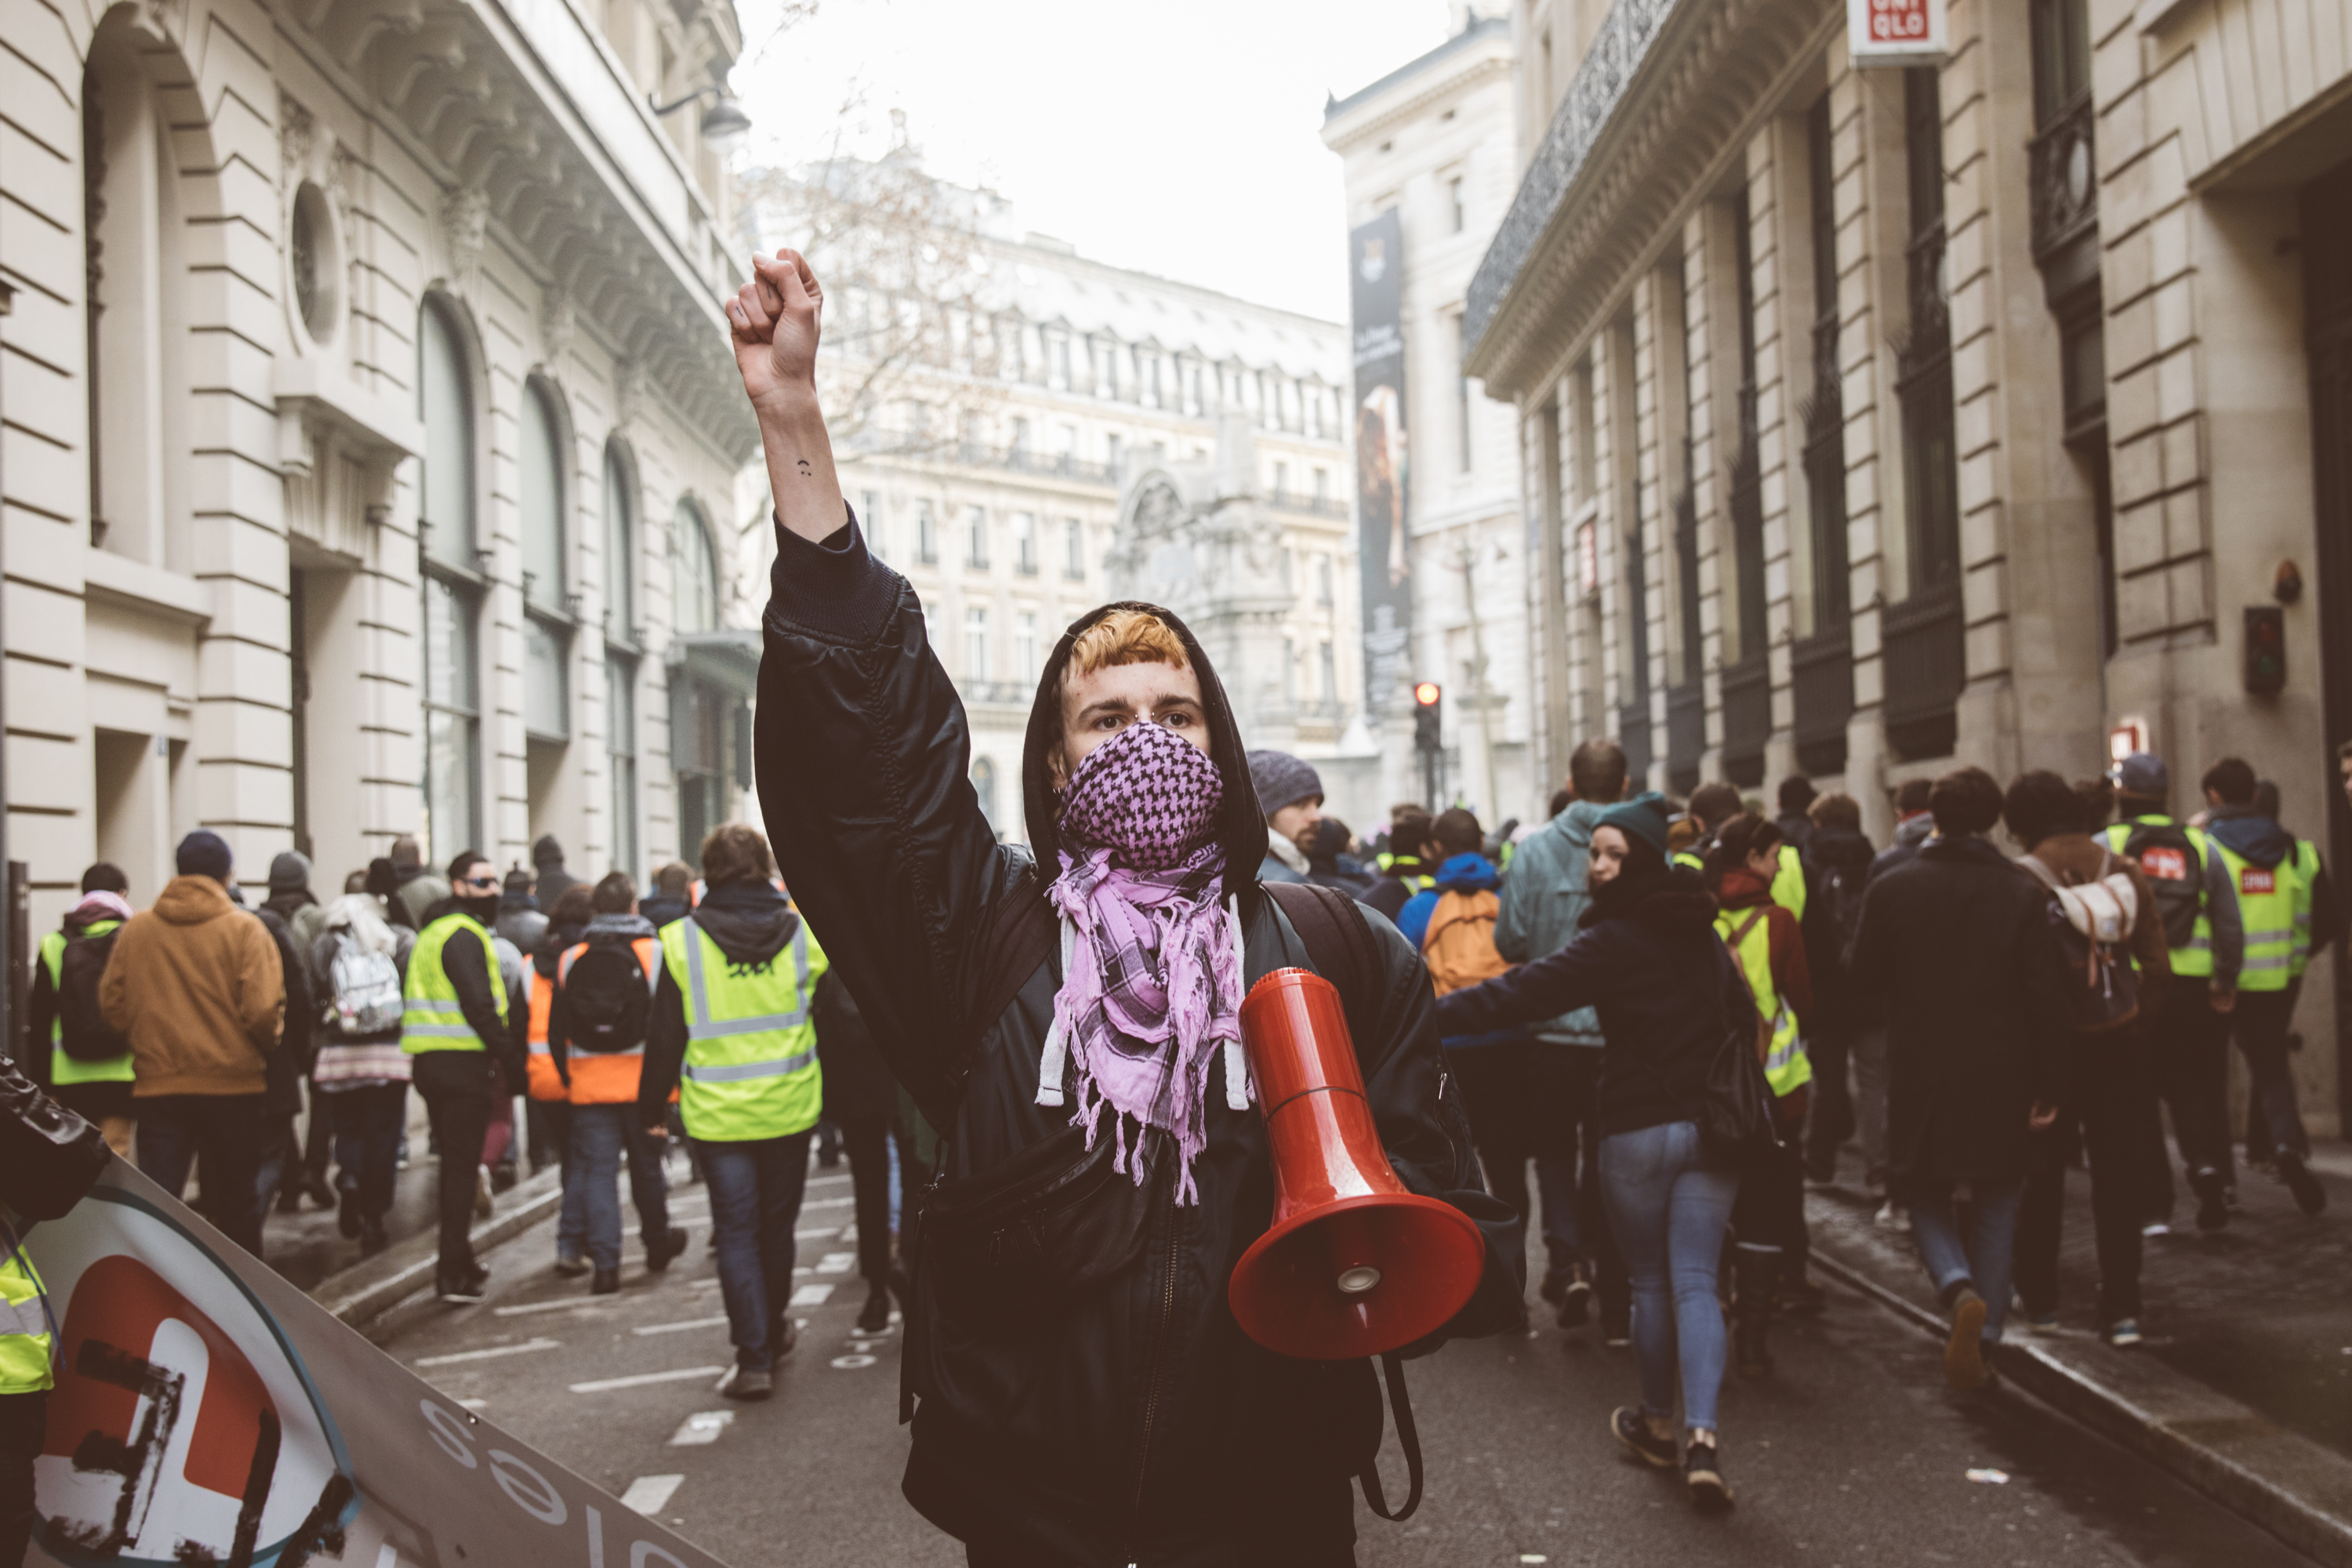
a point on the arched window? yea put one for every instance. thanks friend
(452, 587)
(620, 563)
(547, 619)
(694, 571)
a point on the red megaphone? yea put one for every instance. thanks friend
(1353, 1264)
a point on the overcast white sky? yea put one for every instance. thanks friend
(1181, 139)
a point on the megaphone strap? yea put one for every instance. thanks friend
(1408, 1438)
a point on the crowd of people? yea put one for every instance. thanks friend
(1974, 1017)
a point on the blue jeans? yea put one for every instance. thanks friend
(599, 1133)
(1982, 1260)
(755, 1201)
(572, 1217)
(1668, 1211)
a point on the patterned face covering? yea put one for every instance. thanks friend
(1151, 968)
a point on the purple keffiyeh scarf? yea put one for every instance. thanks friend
(1152, 967)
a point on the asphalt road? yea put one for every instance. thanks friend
(1852, 1453)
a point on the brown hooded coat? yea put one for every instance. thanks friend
(196, 984)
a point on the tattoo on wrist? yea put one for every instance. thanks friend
(807, 471)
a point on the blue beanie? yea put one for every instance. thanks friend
(204, 853)
(1643, 816)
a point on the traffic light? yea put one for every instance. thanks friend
(2265, 650)
(1428, 706)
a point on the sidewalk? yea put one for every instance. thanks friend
(2244, 1386)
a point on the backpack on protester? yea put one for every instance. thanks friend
(606, 999)
(365, 986)
(1459, 945)
(83, 1028)
(2093, 923)
(1839, 899)
(2176, 875)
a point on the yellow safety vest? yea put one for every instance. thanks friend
(431, 1018)
(1787, 1067)
(1789, 881)
(64, 1068)
(2266, 907)
(2306, 873)
(2194, 961)
(27, 1333)
(751, 1069)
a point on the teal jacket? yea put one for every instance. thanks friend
(1543, 897)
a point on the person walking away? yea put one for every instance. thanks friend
(1956, 950)
(549, 1097)
(283, 1158)
(1329, 863)
(1647, 960)
(1542, 900)
(1839, 857)
(2261, 859)
(2189, 1037)
(2116, 978)
(860, 1100)
(521, 920)
(596, 1031)
(1770, 1249)
(672, 897)
(548, 870)
(1914, 822)
(1410, 864)
(732, 1034)
(1795, 821)
(360, 1072)
(497, 1172)
(1914, 825)
(89, 1069)
(291, 900)
(195, 985)
(1292, 798)
(456, 1027)
(1711, 805)
(416, 888)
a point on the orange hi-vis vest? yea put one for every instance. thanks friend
(609, 1077)
(543, 1081)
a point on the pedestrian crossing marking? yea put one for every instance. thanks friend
(850, 1362)
(454, 1357)
(828, 1203)
(569, 1304)
(606, 1385)
(834, 1263)
(701, 1429)
(815, 1235)
(811, 1296)
(650, 1494)
(717, 1322)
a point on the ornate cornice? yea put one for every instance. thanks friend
(1669, 89)
(1469, 73)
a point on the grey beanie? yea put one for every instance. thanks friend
(289, 872)
(1280, 780)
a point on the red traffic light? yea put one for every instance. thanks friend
(1426, 694)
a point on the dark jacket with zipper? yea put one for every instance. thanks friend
(1133, 1421)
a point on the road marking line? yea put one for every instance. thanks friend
(494, 1352)
(828, 1181)
(567, 1305)
(828, 1203)
(603, 1384)
(474, 1403)
(815, 1235)
(836, 1262)
(811, 1296)
(649, 1494)
(850, 1362)
(701, 1429)
(717, 1321)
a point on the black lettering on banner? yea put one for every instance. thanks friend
(321, 1527)
(256, 1490)
(139, 1460)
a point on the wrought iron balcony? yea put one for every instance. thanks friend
(1822, 677)
(2065, 175)
(1926, 658)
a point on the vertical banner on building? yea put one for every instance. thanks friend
(207, 1412)
(1895, 32)
(1375, 286)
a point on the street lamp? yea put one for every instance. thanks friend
(724, 126)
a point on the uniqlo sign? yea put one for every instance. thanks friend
(1895, 32)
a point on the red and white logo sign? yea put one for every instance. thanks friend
(2161, 861)
(2254, 881)
(1895, 32)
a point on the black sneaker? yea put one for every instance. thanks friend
(347, 1213)
(604, 1283)
(1703, 1473)
(1964, 1366)
(2309, 1195)
(748, 1383)
(2212, 1204)
(875, 1316)
(1555, 1284)
(660, 1250)
(1616, 1329)
(1575, 1301)
(466, 1290)
(1632, 1430)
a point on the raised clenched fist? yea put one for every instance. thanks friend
(776, 322)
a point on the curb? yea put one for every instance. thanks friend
(372, 1288)
(2297, 1489)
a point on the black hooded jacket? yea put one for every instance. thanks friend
(1132, 1422)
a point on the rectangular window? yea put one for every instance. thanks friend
(1024, 645)
(1191, 389)
(1454, 204)
(1322, 484)
(546, 708)
(1020, 437)
(452, 720)
(975, 535)
(1061, 363)
(1330, 690)
(621, 755)
(1323, 580)
(1106, 369)
(1074, 550)
(1281, 483)
(1461, 398)
(1024, 543)
(1289, 671)
(869, 519)
(1114, 452)
(1285, 559)
(927, 534)
(975, 645)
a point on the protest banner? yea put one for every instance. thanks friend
(208, 1413)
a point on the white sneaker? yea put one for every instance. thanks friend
(2156, 1227)
(1892, 1215)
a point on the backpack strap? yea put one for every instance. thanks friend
(1339, 944)
(1407, 1438)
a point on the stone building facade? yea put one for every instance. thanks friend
(367, 409)
(1436, 141)
(1882, 420)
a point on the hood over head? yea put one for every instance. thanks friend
(751, 921)
(1652, 892)
(1577, 822)
(1914, 829)
(2251, 835)
(1241, 830)
(626, 927)
(558, 941)
(1840, 849)
(1467, 872)
(547, 851)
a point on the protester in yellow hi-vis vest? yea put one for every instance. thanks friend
(2261, 858)
(550, 1096)
(733, 1033)
(89, 1065)
(596, 1031)
(460, 1032)
(1768, 1219)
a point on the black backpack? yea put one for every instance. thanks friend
(1839, 897)
(2176, 874)
(606, 1001)
(83, 1030)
